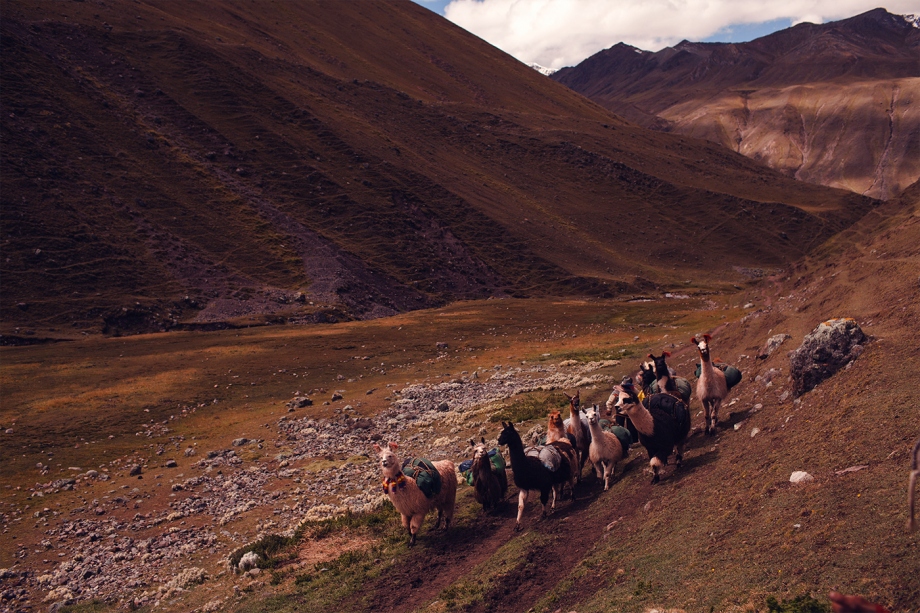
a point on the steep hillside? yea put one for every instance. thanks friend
(828, 104)
(188, 164)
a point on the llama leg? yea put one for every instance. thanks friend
(715, 413)
(707, 408)
(437, 523)
(680, 455)
(448, 517)
(414, 525)
(911, 525)
(522, 500)
(656, 466)
(607, 467)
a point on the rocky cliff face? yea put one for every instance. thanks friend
(832, 104)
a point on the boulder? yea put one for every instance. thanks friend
(299, 402)
(831, 346)
(800, 476)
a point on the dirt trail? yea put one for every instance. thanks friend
(440, 558)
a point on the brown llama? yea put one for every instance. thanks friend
(490, 484)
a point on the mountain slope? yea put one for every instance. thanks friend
(190, 164)
(827, 104)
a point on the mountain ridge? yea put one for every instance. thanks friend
(790, 99)
(192, 165)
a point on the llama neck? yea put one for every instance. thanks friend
(706, 366)
(641, 419)
(595, 431)
(516, 449)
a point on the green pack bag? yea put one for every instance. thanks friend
(425, 474)
(623, 436)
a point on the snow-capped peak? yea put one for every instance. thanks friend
(542, 69)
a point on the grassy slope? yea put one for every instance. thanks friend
(730, 529)
(720, 534)
(230, 152)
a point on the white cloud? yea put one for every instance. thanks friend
(557, 33)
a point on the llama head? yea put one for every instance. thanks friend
(702, 345)
(479, 450)
(626, 399)
(555, 419)
(508, 433)
(575, 400)
(594, 417)
(389, 463)
(646, 373)
(661, 364)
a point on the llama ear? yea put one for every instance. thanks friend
(377, 448)
(666, 354)
(393, 446)
(707, 338)
(472, 443)
(693, 340)
(651, 356)
(483, 440)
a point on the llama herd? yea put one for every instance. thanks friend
(655, 414)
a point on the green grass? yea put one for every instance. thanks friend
(530, 406)
(800, 604)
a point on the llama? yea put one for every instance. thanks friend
(617, 416)
(658, 377)
(578, 428)
(555, 429)
(409, 499)
(606, 448)
(711, 387)
(663, 423)
(532, 474)
(914, 472)
(490, 483)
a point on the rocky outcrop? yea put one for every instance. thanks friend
(833, 345)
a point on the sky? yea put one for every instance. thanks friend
(557, 33)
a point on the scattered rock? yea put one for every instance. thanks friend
(772, 344)
(171, 464)
(831, 346)
(299, 402)
(135, 470)
(800, 476)
(443, 407)
(239, 442)
(441, 345)
(336, 396)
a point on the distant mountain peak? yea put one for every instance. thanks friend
(727, 92)
(542, 69)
